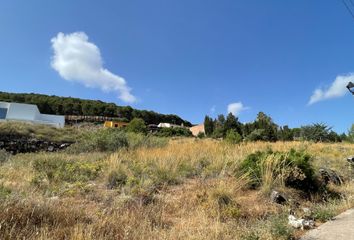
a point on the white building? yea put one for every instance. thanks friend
(28, 113)
(168, 125)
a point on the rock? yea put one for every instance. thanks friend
(350, 159)
(300, 222)
(50, 148)
(307, 212)
(329, 175)
(276, 197)
(64, 145)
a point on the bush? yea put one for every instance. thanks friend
(4, 156)
(149, 141)
(101, 140)
(293, 166)
(117, 178)
(257, 135)
(174, 131)
(201, 135)
(280, 229)
(233, 137)
(39, 131)
(137, 125)
(56, 170)
(323, 213)
(4, 192)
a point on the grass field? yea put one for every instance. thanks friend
(164, 189)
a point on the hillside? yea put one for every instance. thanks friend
(76, 106)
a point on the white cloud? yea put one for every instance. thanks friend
(336, 90)
(78, 60)
(236, 108)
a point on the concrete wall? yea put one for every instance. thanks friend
(30, 113)
(18, 111)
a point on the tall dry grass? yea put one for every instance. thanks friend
(187, 189)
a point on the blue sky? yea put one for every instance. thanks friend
(188, 57)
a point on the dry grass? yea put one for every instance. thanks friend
(189, 189)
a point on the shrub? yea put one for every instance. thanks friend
(233, 137)
(38, 131)
(100, 140)
(137, 125)
(149, 141)
(323, 213)
(56, 169)
(280, 229)
(256, 135)
(174, 131)
(4, 192)
(117, 178)
(4, 156)
(293, 168)
(201, 135)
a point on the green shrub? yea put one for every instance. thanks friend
(4, 192)
(117, 178)
(101, 140)
(257, 135)
(39, 131)
(294, 166)
(201, 135)
(149, 141)
(137, 125)
(4, 156)
(174, 131)
(233, 137)
(280, 229)
(323, 213)
(56, 170)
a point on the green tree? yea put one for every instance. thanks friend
(137, 125)
(285, 134)
(208, 125)
(219, 127)
(232, 136)
(232, 123)
(317, 132)
(266, 123)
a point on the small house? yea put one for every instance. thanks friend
(114, 124)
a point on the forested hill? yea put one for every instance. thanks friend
(76, 106)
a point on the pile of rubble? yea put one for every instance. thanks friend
(20, 144)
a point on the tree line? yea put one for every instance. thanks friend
(264, 129)
(76, 106)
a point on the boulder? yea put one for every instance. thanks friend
(350, 159)
(277, 197)
(330, 176)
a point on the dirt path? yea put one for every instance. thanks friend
(342, 227)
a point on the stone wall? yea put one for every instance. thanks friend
(19, 144)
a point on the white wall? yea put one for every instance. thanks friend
(29, 112)
(20, 111)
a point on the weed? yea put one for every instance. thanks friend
(56, 170)
(117, 178)
(4, 156)
(280, 228)
(4, 192)
(323, 213)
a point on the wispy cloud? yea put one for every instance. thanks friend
(78, 60)
(213, 109)
(336, 90)
(236, 108)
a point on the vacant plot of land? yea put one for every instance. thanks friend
(181, 189)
